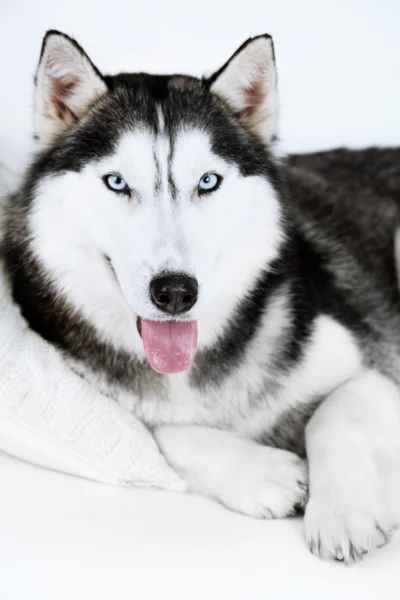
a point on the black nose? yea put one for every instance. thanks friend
(174, 294)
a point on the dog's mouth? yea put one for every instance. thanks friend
(170, 346)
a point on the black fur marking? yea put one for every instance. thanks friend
(322, 294)
(158, 181)
(171, 183)
(212, 366)
(288, 432)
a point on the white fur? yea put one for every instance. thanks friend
(246, 477)
(331, 358)
(353, 448)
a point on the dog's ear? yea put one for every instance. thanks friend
(247, 82)
(67, 85)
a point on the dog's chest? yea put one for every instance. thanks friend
(253, 400)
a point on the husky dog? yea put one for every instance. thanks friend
(245, 306)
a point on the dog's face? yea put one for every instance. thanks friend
(155, 198)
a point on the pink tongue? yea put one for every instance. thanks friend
(170, 346)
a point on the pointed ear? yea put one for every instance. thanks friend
(247, 82)
(67, 85)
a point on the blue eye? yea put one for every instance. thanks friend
(115, 183)
(209, 183)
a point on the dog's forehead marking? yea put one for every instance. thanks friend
(158, 178)
(163, 164)
(173, 190)
(160, 119)
(168, 138)
(162, 151)
(158, 183)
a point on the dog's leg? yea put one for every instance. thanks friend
(244, 476)
(353, 449)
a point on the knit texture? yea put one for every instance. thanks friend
(50, 416)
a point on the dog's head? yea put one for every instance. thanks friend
(153, 201)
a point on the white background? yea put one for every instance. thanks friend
(339, 83)
(338, 61)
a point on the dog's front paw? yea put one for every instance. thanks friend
(347, 532)
(265, 483)
(244, 476)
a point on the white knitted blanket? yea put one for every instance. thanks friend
(51, 417)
